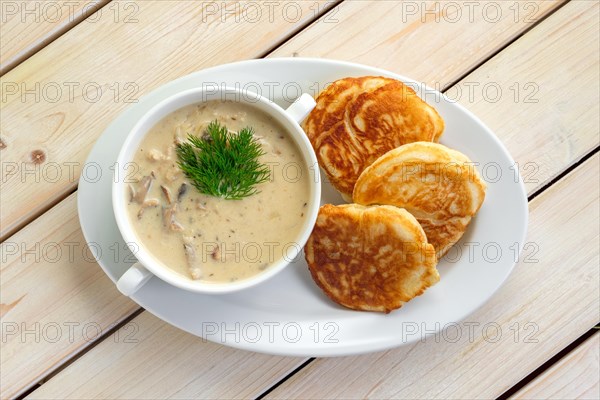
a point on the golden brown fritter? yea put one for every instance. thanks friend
(439, 186)
(356, 120)
(370, 258)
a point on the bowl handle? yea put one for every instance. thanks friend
(301, 107)
(133, 279)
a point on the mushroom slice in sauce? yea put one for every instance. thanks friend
(147, 204)
(216, 253)
(192, 260)
(131, 193)
(169, 218)
(139, 195)
(182, 191)
(176, 226)
(167, 194)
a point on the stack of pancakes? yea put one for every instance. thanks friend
(376, 140)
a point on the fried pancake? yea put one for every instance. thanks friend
(370, 258)
(356, 120)
(439, 186)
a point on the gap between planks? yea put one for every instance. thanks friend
(548, 364)
(507, 44)
(326, 9)
(285, 378)
(77, 356)
(52, 36)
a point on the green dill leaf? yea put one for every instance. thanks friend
(223, 163)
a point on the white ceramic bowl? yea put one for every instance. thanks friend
(148, 265)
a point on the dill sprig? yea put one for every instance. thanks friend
(223, 164)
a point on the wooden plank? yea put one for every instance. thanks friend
(29, 25)
(543, 307)
(434, 42)
(576, 376)
(55, 300)
(566, 53)
(58, 102)
(59, 387)
(166, 362)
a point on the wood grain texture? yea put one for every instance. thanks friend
(576, 376)
(431, 41)
(29, 25)
(546, 83)
(159, 362)
(543, 307)
(54, 299)
(58, 102)
(353, 373)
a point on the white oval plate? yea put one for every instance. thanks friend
(288, 314)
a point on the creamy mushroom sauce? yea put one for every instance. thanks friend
(209, 238)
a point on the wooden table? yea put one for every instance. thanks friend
(68, 333)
